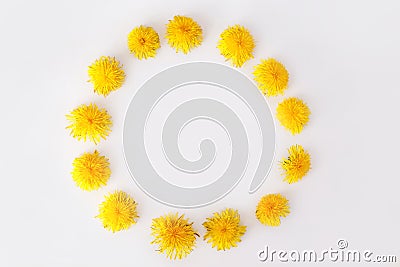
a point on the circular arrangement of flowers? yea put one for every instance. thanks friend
(173, 233)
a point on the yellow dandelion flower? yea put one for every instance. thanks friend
(106, 74)
(224, 229)
(271, 208)
(183, 33)
(91, 171)
(271, 76)
(174, 235)
(296, 165)
(143, 42)
(89, 122)
(118, 211)
(236, 44)
(293, 114)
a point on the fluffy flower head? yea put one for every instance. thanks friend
(236, 44)
(174, 235)
(91, 171)
(143, 42)
(224, 229)
(293, 114)
(271, 208)
(106, 74)
(296, 165)
(183, 34)
(271, 76)
(89, 122)
(118, 211)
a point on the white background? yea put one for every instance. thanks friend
(343, 58)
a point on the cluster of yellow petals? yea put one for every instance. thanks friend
(296, 165)
(89, 122)
(184, 34)
(224, 229)
(293, 114)
(236, 44)
(91, 171)
(118, 211)
(143, 42)
(174, 235)
(271, 208)
(271, 76)
(107, 75)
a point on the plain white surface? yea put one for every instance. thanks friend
(343, 61)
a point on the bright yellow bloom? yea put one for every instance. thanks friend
(91, 171)
(270, 208)
(143, 42)
(106, 74)
(236, 44)
(174, 235)
(297, 165)
(183, 33)
(271, 76)
(293, 114)
(224, 229)
(118, 211)
(89, 122)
